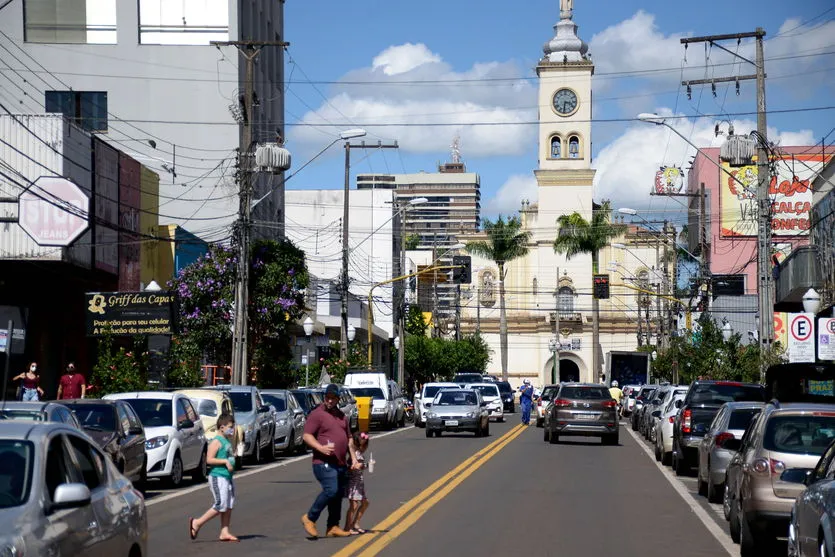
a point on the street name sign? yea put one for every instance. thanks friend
(801, 337)
(826, 338)
(53, 211)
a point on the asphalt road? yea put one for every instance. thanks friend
(509, 493)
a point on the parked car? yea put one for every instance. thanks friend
(507, 396)
(306, 399)
(646, 426)
(175, 441)
(426, 394)
(463, 378)
(210, 404)
(810, 527)
(759, 499)
(118, 431)
(491, 395)
(289, 420)
(541, 402)
(255, 417)
(730, 423)
(455, 410)
(585, 409)
(655, 415)
(664, 428)
(696, 412)
(60, 495)
(644, 396)
(39, 412)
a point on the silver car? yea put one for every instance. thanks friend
(811, 531)
(59, 495)
(730, 423)
(289, 420)
(457, 410)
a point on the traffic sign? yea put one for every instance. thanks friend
(53, 211)
(801, 337)
(826, 338)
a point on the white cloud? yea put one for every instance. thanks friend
(508, 198)
(626, 167)
(403, 58)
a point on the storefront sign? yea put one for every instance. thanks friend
(130, 313)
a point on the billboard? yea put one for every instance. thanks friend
(130, 313)
(789, 189)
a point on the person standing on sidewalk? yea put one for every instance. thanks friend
(30, 384)
(526, 401)
(326, 433)
(72, 384)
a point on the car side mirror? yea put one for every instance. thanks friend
(656, 414)
(797, 476)
(679, 403)
(263, 409)
(135, 431)
(185, 424)
(298, 411)
(733, 445)
(70, 496)
(427, 404)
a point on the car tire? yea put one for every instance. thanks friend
(733, 523)
(428, 433)
(257, 455)
(176, 477)
(501, 419)
(271, 450)
(487, 429)
(666, 458)
(403, 420)
(702, 485)
(752, 542)
(657, 453)
(554, 438)
(142, 482)
(438, 433)
(546, 434)
(540, 422)
(201, 473)
(679, 466)
(291, 442)
(823, 550)
(715, 492)
(726, 500)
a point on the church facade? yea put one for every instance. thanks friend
(548, 297)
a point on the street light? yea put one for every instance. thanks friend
(811, 301)
(554, 348)
(352, 333)
(308, 330)
(397, 343)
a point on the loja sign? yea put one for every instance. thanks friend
(53, 211)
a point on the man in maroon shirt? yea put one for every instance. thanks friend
(326, 433)
(72, 384)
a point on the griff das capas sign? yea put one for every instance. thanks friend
(130, 313)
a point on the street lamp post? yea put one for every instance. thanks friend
(554, 348)
(308, 330)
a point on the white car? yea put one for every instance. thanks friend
(664, 428)
(427, 393)
(175, 441)
(491, 395)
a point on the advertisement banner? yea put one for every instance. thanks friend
(130, 313)
(826, 338)
(789, 191)
(781, 328)
(801, 337)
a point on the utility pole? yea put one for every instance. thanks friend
(240, 359)
(344, 281)
(764, 283)
(557, 331)
(458, 311)
(478, 309)
(401, 304)
(436, 327)
(659, 328)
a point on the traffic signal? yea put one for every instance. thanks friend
(601, 287)
(463, 269)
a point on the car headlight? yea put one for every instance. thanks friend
(472, 414)
(156, 442)
(282, 422)
(431, 415)
(12, 546)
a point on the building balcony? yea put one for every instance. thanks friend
(797, 274)
(566, 317)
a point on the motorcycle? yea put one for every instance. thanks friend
(409, 409)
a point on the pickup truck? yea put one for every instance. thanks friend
(696, 412)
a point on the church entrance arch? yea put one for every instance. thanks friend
(571, 369)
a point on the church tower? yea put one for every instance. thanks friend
(565, 175)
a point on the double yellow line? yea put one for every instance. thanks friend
(403, 518)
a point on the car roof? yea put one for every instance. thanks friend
(797, 407)
(202, 393)
(744, 405)
(440, 384)
(482, 384)
(17, 429)
(19, 405)
(232, 388)
(153, 395)
(273, 391)
(726, 382)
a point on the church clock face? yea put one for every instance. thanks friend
(565, 102)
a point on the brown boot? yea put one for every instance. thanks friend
(337, 532)
(309, 526)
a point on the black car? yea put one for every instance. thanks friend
(307, 399)
(467, 378)
(508, 402)
(115, 427)
(696, 412)
(643, 398)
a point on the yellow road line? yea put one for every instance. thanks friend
(391, 519)
(387, 537)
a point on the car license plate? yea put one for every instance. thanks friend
(451, 422)
(585, 417)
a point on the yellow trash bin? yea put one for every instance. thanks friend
(363, 413)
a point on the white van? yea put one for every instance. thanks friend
(387, 409)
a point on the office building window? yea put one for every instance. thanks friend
(188, 22)
(69, 21)
(86, 109)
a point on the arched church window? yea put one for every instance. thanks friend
(565, 300)
(574, 147)
(556, 147)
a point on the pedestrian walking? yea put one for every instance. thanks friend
(526, 401)
(72, 384)
(326, 433)
(221, 461)
(357, 499)
(30, 387)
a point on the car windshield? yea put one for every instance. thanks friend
(205, 406)
(466, 378)
(152, 412)
(34, 415)
(549, 393)
(428, 392)
(809, 434)
(278, 401)
(742, 417)
(585, 393)
(303, 400)
(241, 401)
(15, 472)
(486, 390)
(98, 417)
(456, 398)
(373, 392)
(504, 387)
(720, 393)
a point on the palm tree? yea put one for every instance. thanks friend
(505, 242)
(577, 236)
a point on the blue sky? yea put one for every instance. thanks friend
(374, 45)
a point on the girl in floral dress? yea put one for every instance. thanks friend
(358, 501)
